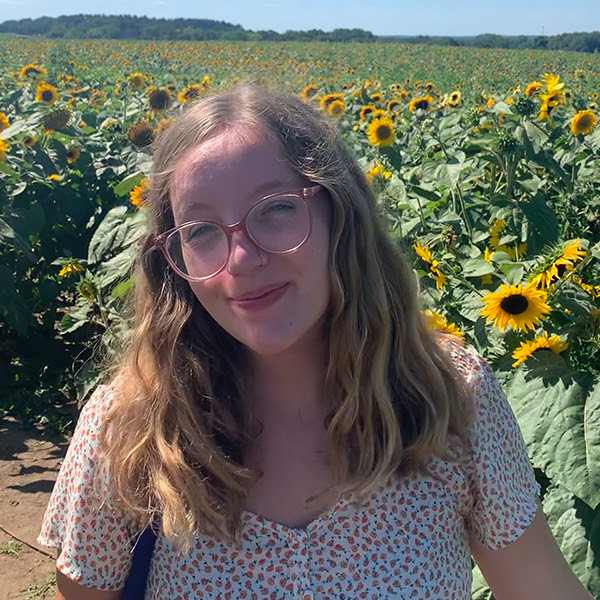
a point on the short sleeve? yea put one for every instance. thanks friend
(94, 539)
(501, 479)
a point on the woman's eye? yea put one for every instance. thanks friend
(278, 207)
(200, 231)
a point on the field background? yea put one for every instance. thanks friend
(478, 189)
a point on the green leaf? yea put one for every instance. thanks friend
(479, 587)
(535, 134)
(10, 237)
(564, 514)
(513, 272)
(446, 174)
(117, 230)
(122, 288)
(560, 424)
(118, 267)
(543, 224)
(470, 306)
(476, 267)
(126, 185)
(74, 319)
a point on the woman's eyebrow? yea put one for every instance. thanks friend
(260, 190)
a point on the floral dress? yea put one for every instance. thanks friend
(409, 540)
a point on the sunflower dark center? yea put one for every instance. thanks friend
(584, 122)
(424, 104)
(514, 304)
(47, 95)
(561, 269)
(383, 132)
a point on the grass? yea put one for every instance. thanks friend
(41, 590)
(11, 547)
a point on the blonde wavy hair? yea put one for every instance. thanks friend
(173, 437)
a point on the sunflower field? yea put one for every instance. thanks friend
(487, 168)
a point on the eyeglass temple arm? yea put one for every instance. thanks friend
(308, 192)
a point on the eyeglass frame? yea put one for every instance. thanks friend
(305, 194)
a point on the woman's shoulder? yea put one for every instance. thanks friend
(95, 409)
(466, 360)
(85, 438)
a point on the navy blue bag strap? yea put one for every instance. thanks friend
(135, 585)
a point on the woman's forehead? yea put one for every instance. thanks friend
(229, 159)
(241, 166)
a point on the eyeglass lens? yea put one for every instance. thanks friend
(276, 224)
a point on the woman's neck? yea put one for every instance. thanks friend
(289, 388)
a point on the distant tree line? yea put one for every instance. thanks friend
(122, 27)
(146, 28)
(577, 42)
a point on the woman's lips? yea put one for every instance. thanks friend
(262, 301)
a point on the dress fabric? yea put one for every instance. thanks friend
(407, 540)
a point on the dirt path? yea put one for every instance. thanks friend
(29, 463)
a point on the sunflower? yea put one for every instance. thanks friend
(141, 134)
(3, 149)
(87, 290)
(73, 154)
(517, 306)
(29, 141)
(454, 100)
(432, 265)
(393, 105)
(4, 122)
(57, 119)
(46, 93)
(159, 98)
(552, 83)
(136, 81)
(365, 111)
(328, 99)
(377, 171)
(583, 122)
(438, 322)
(592, 290)
(423, 253)
(487, 256)
(111, 125)
(561, 261)
(71, 267)
(540, 342)
(429, 86)
(422, 103)
(97, 97)
(138, 194)
(336, 108)
(403, 95)
(32, 69)
(376, 98)
(534, 88)
(189, 93)
(381, 132)
(309, 92)
(495, 230)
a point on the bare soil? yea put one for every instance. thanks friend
(29, 464)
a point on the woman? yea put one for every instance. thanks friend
(282, 417)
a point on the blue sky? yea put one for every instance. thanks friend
(382, 17)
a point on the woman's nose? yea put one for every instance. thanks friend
(244, 254)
